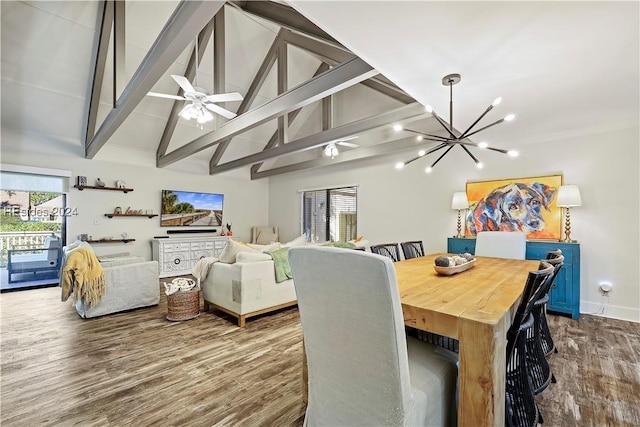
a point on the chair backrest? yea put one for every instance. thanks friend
(390, 250)
(501, 244)
(354, 337)
(412, 249)
(264, 235)
(54, 248)
(533, 287)
(557, 262)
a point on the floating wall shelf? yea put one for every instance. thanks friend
(93, 187)
(112, 241)
(112, 215)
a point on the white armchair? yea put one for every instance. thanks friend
(264, 235)
(362, 368)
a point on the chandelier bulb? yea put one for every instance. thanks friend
(509, 117)
(419, 138)
(479, 165)
(483, 145)
(397, 128)
(496, 101)
(421, 153)
(399, 165)
(428, 169)
(513, 153)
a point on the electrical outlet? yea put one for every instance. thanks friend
(605, 288)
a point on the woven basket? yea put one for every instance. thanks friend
(183, 305)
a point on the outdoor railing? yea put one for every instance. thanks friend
(22, 240)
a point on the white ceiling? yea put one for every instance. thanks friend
(565, 68)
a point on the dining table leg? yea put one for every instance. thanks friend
(482, 370)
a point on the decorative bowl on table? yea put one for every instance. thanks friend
(446, 266)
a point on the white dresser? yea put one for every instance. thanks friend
(178, 256)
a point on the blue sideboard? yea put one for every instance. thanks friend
(565, 292)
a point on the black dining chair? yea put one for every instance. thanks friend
(540, 311)
(521, 409)
(390, 250)
(413, 249)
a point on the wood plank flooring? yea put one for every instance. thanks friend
(137, 368)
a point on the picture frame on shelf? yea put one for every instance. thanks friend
(81, 181)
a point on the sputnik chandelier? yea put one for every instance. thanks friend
(454, 137)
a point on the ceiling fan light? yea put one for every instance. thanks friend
(513, 153)
(397, 127)
(483, 145)
(399, 165)
(428, 169)
(496, 101)
(479, 165)
(509, 117)
(421, 153)
(419, 138)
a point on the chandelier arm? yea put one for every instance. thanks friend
(464, 134)
(444, 125)
(473, 144)
(443, 138)
(497, 122)
(469, 153)
(441, 156)
(434, 149)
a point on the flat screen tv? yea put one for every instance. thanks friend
(190, 209)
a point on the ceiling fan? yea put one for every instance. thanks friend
(330, 150)
(200, 100)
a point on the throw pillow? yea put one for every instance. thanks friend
(252, 257)
(228, 254)
(298, 241)
(265, 238)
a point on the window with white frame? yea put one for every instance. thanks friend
(330, 215)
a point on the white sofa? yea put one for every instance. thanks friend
(246, 288)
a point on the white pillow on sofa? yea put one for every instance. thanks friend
(298, 241)
(252, 257)
(228, 254)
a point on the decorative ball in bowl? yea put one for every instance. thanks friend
(447, 266)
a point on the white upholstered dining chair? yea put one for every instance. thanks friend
(501, 244)
(362, 368)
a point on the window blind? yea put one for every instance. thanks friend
(330, 214)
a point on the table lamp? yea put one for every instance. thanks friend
(568, 196)
(459, 202)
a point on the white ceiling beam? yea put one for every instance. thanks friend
(335, 80)
(183, 26)
(380, 149)
(321, 138)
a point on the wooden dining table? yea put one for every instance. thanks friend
(476, 308)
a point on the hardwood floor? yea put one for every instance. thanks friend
(137, 368)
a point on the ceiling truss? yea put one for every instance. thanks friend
(339, 69)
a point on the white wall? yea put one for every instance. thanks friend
(245, 202)
(408, 204)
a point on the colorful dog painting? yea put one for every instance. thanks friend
(515, 206)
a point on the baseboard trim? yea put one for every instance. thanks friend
(611, 311)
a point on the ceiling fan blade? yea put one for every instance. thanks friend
(219, 110)
(184, 83)
(348, 144)
(224, 97)
(164, 95)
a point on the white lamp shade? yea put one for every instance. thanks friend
(460, 200)
(568, 196)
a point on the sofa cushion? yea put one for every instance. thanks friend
(265, 238)
(252, 257)
(228, 254)
(265, 248)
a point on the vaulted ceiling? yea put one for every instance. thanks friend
(565, 68)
